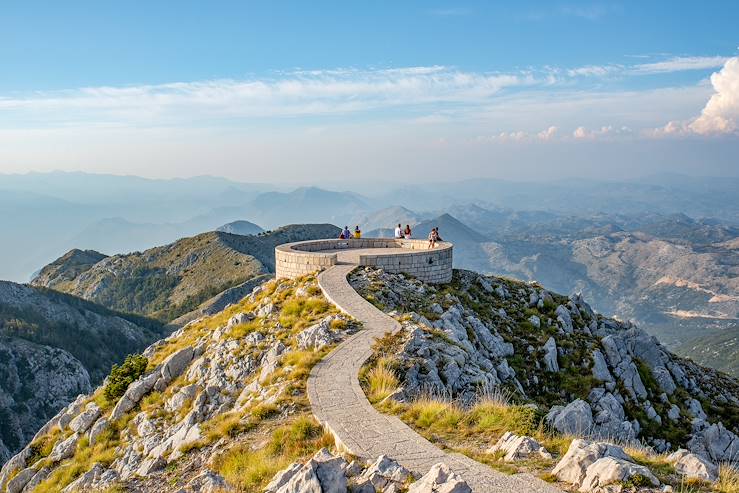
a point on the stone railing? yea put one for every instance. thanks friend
(409, 256)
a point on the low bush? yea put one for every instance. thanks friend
(122, 376)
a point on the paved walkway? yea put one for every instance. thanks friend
(339, 403)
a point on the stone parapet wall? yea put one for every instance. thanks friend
(408, 256)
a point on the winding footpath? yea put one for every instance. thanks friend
(339, 403)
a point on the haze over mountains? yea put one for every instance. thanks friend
(47, 214)
(661, 250)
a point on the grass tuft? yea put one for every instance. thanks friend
(382, 381)
(250, 470)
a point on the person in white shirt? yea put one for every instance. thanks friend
(398, 232)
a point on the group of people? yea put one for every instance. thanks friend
(400, 234)
(346, 234)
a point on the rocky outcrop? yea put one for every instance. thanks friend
(576, 418)
(36, 382)
(328, 473)
(595, 376)
(440, 479)
(693, 466)
(573, 466)
(515, 447)
(204, 373)
(610, 471)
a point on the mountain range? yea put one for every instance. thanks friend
(123, 214)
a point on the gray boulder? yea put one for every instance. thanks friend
(517, 447)
(565, 319)
(600, 367)
(135, 392)
(716, 443)
(613, 471)
(573, 466)
(576, 418)
(440, 479)
(384, 471)
(85, 419)
(100, 426)
(64, 449)
(691, 465)
(550, 355)
(317, 336)
(17, 484)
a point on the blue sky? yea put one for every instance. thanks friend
(299, 91)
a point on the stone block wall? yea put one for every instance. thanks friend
(429, 265)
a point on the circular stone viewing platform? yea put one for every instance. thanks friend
(432, 265)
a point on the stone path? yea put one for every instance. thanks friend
(339, 403)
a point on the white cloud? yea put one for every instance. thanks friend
(548, 134)
(720, 114)
(294, 94)
(679, 64)
(582, 133)
(594, 70)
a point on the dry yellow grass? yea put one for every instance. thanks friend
(381, 380)
(728, 480)
(250, 470)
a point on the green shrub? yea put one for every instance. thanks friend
(122, 376)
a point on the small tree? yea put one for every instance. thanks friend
(122, 376)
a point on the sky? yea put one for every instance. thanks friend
(308, 92)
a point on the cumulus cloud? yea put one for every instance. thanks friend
(548, 134)
(720, 114)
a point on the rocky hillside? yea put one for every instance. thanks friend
(53, 347)
(169, 281)
(221, 400)
(584, 373)
(675, 276)
(221, 404)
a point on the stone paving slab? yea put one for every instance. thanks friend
(338, 402)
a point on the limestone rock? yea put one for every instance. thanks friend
(173, 366)
(64, 449)
(384, 471)
(691, 465)
(87, 481)
(550, 355)
(611, 470)
(178, 400)
(516, 447)
(600, 367)
(97, 428)
(576, 418)
(440, 479)
(84, 420)
(281, 478)
(37, 479)
(317, 336)
(16, 484)
(208, 482)
(716, 443)
(572, 468)
(133, 395)
(565, 319)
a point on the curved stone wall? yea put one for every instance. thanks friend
(408, 256)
